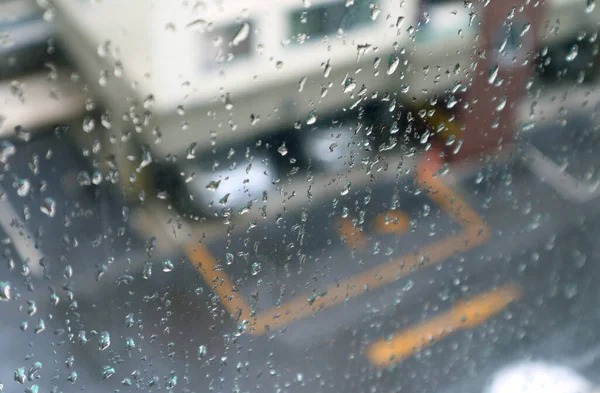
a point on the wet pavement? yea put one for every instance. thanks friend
(366, 290)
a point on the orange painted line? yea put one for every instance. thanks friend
(393, 221)
(450, 202)
(451, 128)
(231, 299)
(374, 278)
(475, 233)
(353, 236)
(463, 315)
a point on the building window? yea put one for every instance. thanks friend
(319, 21)
(226, 43)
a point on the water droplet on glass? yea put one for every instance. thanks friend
(171, 382)
(180, 110)
(213, 185)
(48, 207)
(452, 101)
(33, 370)
(393, 64)
(72, 377)
(241, 35)
(31, 307)
(107, 372)
(241, 328)
(256, 268)
(590, 5)
(493, 73)
(167, 266)
(7, 150)
(23, 187)
(282, 149)
(41, 326)
(501, 104)
(197, 25)
(572, 53)
(312, 118)
(5, 291)
(375, 11)
(19, 375)
(202, 351)
(104, 341)
(346, 189)
(82, 337)
(130, 344)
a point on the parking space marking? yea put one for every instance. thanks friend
(475, 232)
(463, 315)
(393, 221)
(564, 184)
(351, 233)
(218, 280)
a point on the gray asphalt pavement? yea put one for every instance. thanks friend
(516, 226)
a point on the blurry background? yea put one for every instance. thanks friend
(299, 195)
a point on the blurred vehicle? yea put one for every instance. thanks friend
(209, 75)
(26, 37)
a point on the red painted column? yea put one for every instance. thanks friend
(508, 42)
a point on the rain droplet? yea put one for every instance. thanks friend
(572, 53)
(197, 25)
(130, 344)
(202, 351)
(41, 326)
(172, 382)
(282, 149)
(72, 377)
(82, 337)
(327, 70)
(590, 5)
(256, 268)
(20, 376)
(23, 187)
(213, 185)
(241, 328)
(301, 84)
(241, 35)
(393, 64)
(31, 308)
(5, 291)
(501, 104)
(346, 189)
(107, 372)
(493, 73)
(167, 266)
(48, 207)
(7, 150)
(34, 369)
(312, 118)
(104, 341)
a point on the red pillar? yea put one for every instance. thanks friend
(488, 125)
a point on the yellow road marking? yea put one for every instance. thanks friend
(231, 299)
(354, 237)
(441, 118)
(373, 278)
(466, 314)
(475, 232)
(393, 221)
